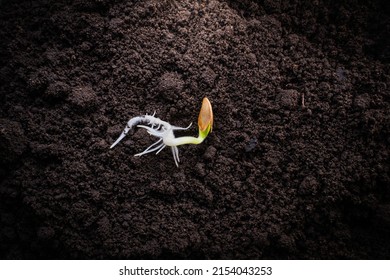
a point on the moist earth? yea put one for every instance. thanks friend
(297, 164)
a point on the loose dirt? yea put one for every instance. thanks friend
(297, 165)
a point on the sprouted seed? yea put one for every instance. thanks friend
(164, 131)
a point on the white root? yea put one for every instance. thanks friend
(158, 128)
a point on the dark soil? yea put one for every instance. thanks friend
(297, 165)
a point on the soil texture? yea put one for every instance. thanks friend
(297, 164)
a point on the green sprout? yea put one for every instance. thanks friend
(164, 131)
